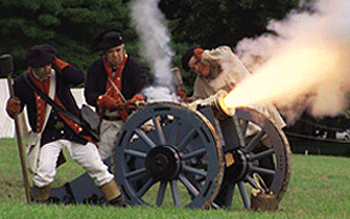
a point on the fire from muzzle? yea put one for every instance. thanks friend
(221, 105)
(217, 104)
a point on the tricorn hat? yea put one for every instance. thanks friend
(187, 56)
(40, 55)
(106, 40)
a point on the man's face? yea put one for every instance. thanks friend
(43, 72)
(115, 55)
(198, 67)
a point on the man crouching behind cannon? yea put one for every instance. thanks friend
(220, 69)
(51, 128)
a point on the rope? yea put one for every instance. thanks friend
(322, 126)
(309, 137)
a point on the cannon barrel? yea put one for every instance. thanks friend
(217, 103)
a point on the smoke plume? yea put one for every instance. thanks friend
(149, 23)
(305, 67)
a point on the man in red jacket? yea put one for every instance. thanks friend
(54, 130)
(113, 79)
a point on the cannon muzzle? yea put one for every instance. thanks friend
(220, 104)
(217, 104)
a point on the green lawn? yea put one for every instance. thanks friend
(319, 188)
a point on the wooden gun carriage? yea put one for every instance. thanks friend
(191, 156)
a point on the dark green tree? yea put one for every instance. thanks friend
(67, 25)
(210, 23)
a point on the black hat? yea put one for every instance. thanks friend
(40, 55)
(106, 40)
(187, 56)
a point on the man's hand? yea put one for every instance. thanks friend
(13, 106)
(106, 102)
(59, 65)
(136, 97)
(183, 97)
(134, 102)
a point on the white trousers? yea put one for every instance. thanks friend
(109, 131)
(85, 155)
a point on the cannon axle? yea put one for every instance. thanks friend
(238, 169)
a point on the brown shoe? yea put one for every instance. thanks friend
(118, 202)
(41, 194)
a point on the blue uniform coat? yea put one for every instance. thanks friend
(70, 76)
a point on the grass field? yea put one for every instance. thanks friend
(319, 188)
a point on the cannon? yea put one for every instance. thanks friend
(196, 153)
(201, 151)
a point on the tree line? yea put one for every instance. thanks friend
(70, 25)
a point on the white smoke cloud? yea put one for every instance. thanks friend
(149, 23)
(160, 93)
(306, 66)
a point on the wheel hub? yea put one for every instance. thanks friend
(163, 162)
(238, 169)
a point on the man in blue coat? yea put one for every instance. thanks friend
(113, 79)
(54, 130)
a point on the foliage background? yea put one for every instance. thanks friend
(70, 25)
(67, 25)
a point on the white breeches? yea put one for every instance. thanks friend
(85, 155)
